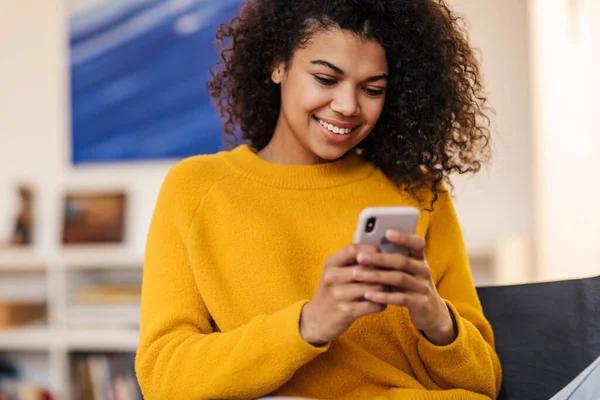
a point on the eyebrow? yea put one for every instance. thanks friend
(340, 71)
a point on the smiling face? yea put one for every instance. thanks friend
(332, 95)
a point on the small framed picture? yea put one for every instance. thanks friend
(94, 218)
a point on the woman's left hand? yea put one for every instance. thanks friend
(412, 276)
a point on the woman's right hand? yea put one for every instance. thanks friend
(338, 300)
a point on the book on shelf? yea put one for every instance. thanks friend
(104, 377)
(104, 305)
(108, 294)
(102, 316)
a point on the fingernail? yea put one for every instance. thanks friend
(352, 249)
(371, 295)
(391, 234)
(363, 258)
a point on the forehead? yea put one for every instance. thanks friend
(346, 50)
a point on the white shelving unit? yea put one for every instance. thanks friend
(20, 260)
(26, 339)
(57, 340)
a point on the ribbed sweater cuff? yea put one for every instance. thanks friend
(282, 336)
(453, 355)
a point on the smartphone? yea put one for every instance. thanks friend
(373, 222)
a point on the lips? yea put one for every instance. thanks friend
(336, 127)
(334, 138)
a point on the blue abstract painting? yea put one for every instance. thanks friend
(138, 74)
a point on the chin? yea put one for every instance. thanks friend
(328, 147)
(331, 153)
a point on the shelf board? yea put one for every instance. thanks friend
(45, 339)
(20, 259)
(26, 339)
(100, 257)
(102, 340)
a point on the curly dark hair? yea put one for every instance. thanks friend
(434, 118)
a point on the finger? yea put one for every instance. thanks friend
(334, 276)
(394, 261)
(414, 302)
(414, 243)
(347, 256)
(354, 291)
(396, 279)
(364, 308)
(366, 249)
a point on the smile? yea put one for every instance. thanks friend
(335, 129)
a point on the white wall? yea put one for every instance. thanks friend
(566, 88)
(34, 124)
(31, 97)
(496, 204)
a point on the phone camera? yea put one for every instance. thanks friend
(370, 225)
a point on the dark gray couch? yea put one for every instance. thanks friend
(546, 334)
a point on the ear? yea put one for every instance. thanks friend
(277, 72)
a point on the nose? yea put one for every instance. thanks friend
(346, 103)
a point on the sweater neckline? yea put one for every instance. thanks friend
(246, 162)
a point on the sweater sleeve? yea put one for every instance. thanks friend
(180, 356)
(470, 362)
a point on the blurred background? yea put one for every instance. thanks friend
(99, 98)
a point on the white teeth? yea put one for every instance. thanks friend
(335, 129)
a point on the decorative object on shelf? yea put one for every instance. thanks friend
(22, 230)
(21, 313)
(138, 73)
(12, 387)
(9, 380)
(23, 391)
(94, 218)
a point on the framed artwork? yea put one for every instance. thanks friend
(94, 218)
(138, 70)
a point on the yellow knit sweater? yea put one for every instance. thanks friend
(235, 249)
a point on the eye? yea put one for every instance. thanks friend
(325, 81)
(374, 92)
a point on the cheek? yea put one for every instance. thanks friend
(372, 110)
(314, 99)
(301, 97)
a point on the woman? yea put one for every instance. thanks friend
(251, 284)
